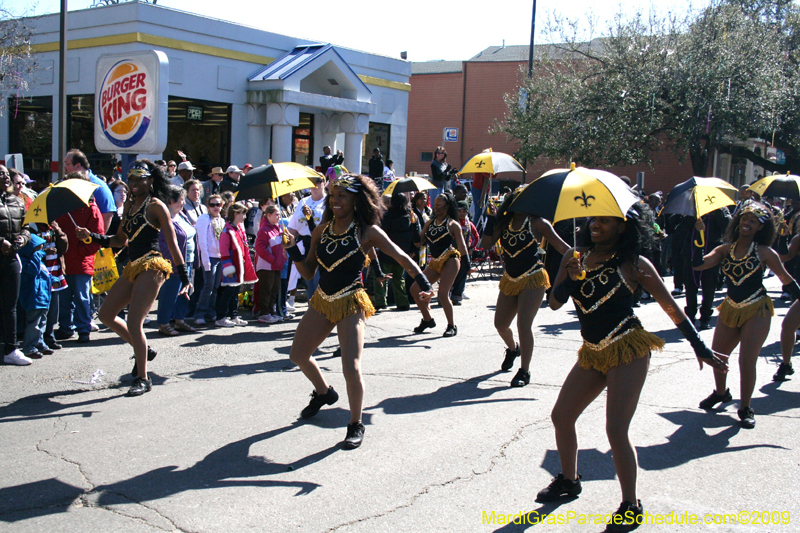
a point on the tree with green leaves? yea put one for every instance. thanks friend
(17, 63)
(688, 84)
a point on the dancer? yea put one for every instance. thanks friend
(792, 319)
(145, 215)
(446, 244)
(340, 245)
(616, 349)
(524, 281)
(745, 314)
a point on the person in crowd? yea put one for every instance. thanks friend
(304, 220)
(471, 238)
(214, 185)
(170, 305)
(146, 215)
(76, 161)
(403, 229)
(388, 174)
(746, 312)
(185, 173)
(54, 248)
(227, 201)
(235, 265)
(478, 179)
(75, 314)
(441, 172)
(19, 189)
(34, 297)
(376, 167)
(615, 355)
(231, 180)
(339, 248)
(209, 229)
(443, 235)
(792, 319)
(327, 160)
(270, 259)
(172, 169)
(524, 281)
(193, 206)
(246, 168)
(462, 195)
(255, 216)
(13, 236)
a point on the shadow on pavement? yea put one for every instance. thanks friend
(534, 517)
(45, 405)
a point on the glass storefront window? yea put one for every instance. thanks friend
(80, 134)
(30, 123)
(202, 130)
(303, 140)
(378, 137)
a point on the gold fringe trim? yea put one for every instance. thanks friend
(633, 344)
(535, 280)
(438, 263)
(735, 317)
(339, 308)
(147, 262)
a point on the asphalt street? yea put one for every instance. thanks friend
(218, 446)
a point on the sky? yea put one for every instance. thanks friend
(426, 30)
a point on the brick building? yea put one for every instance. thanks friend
(470, 94)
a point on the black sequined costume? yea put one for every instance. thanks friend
(612, 334)
(341, 292)
(746, 296)
(523, 260)
(441, 244)
(143, 250)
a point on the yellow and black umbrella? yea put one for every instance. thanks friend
(408, 184)
(696, 196)
(492, 163)
(778, 185)
(267, 181)
(59, 199)
(575, 192)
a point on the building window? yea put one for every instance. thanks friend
(378, 137)
(30, 123)
(426, 157)
(80, 134)
(303, 140)
(202, 130)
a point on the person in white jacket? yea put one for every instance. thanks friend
(209, 227)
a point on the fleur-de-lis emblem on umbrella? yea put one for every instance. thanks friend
(710, 199)
(584, 199)
(480, 164)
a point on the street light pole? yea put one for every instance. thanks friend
(530, 75)
(62, 90)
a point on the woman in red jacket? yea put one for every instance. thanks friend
(237, 267)
(270, 258)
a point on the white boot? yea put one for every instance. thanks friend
(290, 304)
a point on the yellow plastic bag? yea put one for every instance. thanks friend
(105, 271)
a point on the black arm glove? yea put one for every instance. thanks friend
(792, 288)
(488, 229)
(295, 254)
(312, 224)
(565, 289)
(183, 273)
(376, 269)
(102, 240)
(423, 283)
(700, 349)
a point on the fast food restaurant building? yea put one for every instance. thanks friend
(236, 94)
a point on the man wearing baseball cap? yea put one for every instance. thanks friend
(247, 168)
(231, 181)
(185, 173)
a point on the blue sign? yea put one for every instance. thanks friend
(450, 135)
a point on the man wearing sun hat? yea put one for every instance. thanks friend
(231, 181)
(214, 185)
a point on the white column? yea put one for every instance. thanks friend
(281, 143)
(353, 145)
(256, 128)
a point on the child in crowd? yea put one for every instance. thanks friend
(472, 238)
(237, 267)
(34, 297)
(281, 307)
(270, 259)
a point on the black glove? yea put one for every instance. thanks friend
(488, 229)
(423, 283)
(792, 288)
(295, 254)
(312, 225)
(102, 240)
(565, 289)
(183, 273)
(700, 349)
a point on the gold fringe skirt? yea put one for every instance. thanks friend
(150, 261)
(535, 278)
(632, 344)
(438, 263)
(336, 308)
(735, 315)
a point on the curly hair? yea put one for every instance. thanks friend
(765, 236)
(452, 204)
(160, 186)
(638, 238)
(368, 208)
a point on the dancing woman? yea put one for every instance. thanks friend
(145, 215)
(524, 281)
(339, 246)
(615, 354)
(792, 319)
(445, 240)
(746, 312)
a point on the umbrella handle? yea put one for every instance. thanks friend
(702, 242)
(87, 240)
(577, 255)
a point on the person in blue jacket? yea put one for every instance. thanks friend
(34, 297)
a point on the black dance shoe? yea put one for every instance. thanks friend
(140, 386)
(451, 331)
(318, 400)
(425, 324)
(355, 435)
(508, 362)
(151, 354)
(560, 487)
(522, 378)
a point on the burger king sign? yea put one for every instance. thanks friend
(131, 103)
